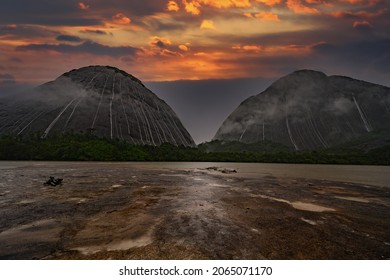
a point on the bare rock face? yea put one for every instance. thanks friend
(101, 100)
(308, 110)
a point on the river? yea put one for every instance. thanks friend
(360, 174)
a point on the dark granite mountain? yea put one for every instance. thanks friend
(308, 110)
(101, 100)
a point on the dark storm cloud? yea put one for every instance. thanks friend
(6, 76)
(374, 12)
(68, 38)
(161, 26)
(44, 12)
(95, 31)
(363, 26)
(130, 8)
(25, 31)
(366, 58)
(373, 53)
(322, 27)
(281, 64)
(88, 47)
(69, 13)
(305, 37)
(160, 44)
(202, 106)
(323, 47)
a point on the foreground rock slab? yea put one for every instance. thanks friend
(121, 211)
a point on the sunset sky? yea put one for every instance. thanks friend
(164, 40)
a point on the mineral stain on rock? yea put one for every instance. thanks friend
(101, 100)
(308, 110)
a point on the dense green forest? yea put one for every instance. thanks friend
(82, 147)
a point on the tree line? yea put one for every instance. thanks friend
(83, 147)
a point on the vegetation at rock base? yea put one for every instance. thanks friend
(83, 147)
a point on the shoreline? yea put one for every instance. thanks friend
(375, 175)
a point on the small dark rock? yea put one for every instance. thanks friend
(228, 171)
(212, 168)
(53, 181)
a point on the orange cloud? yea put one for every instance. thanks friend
(269, 2)
(225, 3)
(189, 67)
(194, 6)
(160, 42)
(207, 24)
(172, 6)
(184, 48)
(250, 48)
(298, 7)
(200, 54)
(273, 50)
(191, 7)
(83, 6)
(146, 55)
(120, 18)
(166, 52)
(267, 16)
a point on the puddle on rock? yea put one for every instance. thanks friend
(38, 231)
(121, 245)
(309, 207)
(352, 198)
(311, 222)
(299, 204)
(27, 201)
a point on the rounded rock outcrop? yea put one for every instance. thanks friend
(308, 110)
(100, 100)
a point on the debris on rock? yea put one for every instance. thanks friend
(214, 168)
(228, 171)
(222, 170)
(54, 181)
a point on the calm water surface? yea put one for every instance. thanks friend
(370, 175)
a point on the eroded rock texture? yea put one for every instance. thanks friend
(309, 110)
(101, 100)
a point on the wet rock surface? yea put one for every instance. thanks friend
(117, 211)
